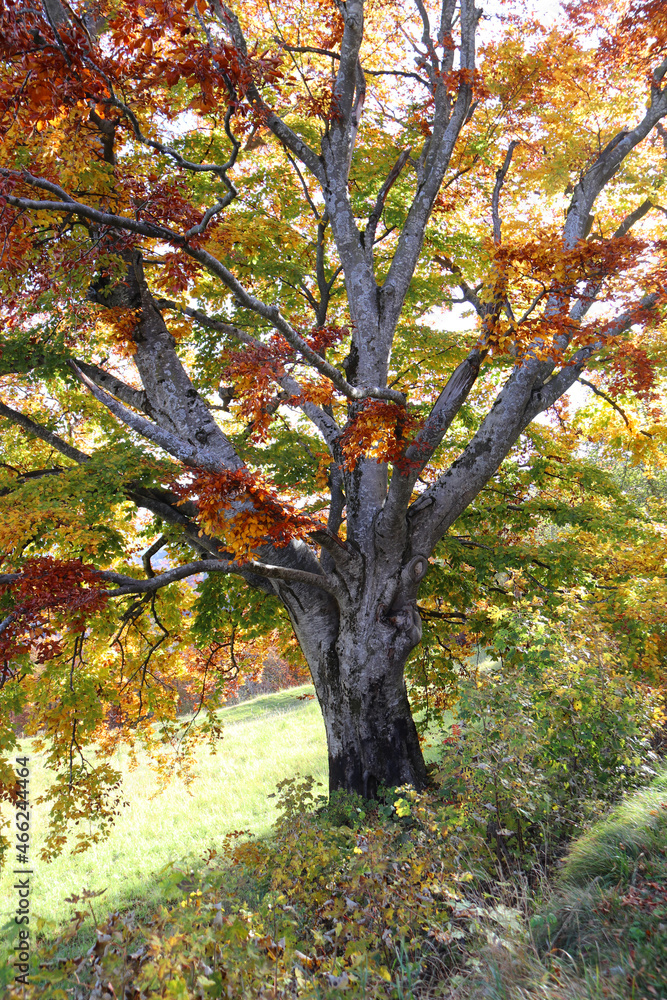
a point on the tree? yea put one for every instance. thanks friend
(269, 203)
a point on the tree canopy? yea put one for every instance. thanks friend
(285, 287)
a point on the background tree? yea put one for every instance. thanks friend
(228, 235)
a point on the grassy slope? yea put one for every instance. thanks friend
(601, 932)
(611, 909)
(266, 739)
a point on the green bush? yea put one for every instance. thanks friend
(537, 753)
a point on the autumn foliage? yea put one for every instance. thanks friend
(332, 329)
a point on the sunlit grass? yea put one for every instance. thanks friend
(635, 831)
(265, 740)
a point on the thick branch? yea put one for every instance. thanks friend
(128, 585)
(43, 434)
(171, 443)
(523, 396)
(278, 321)
(151, 551)
(545, 395)
(592, 289)
(419, 453)
(608, 162)
(325, 423)
(212, 264)
(105, 380)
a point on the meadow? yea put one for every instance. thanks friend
(593, 929)
(265, 740)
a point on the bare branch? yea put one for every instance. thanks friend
(501, 173)
(591, 291)
(349, 83)
(278, 321)
(271, 313)
(231, 26)
(419, 453)
(151, 551)
(367, 71)
(607, 163)
(523, 396)
(128, 585)
(469, 294)
(608, 399)
(434, 161)
(545, 394)
(303, 185)
(394, 174)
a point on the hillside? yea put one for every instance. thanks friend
(266, 739)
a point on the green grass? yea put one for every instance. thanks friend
(601, 931)
(265, 740)
(633, 837)
(609, 911)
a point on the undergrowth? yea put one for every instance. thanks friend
(445, 893)
(385, 900)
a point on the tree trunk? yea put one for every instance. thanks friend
(371, 736)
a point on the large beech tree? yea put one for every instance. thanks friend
(232, 238)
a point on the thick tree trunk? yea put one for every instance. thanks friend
(371, 735)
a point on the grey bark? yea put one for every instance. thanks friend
(353, 603)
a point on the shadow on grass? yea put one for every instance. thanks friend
(158, 842)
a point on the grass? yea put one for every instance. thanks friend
(634, 837)
(609, 911)
(600, 933)
(265, 740)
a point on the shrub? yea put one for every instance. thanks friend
(539, 752)
(365, 899)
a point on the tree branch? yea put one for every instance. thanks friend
(136, 398)
(607, 399)
(212, 264)
(545, 394)
(586, 298)
(501, 173)
(151, 551)
(231, 26)
(469, 293)
(374, 218)
(324, 422)
(523, 396)
(607, 163)
(43, 434)
(434, 160)
(278, 321)
(174, 445)
(419, 453)
(129, 585)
